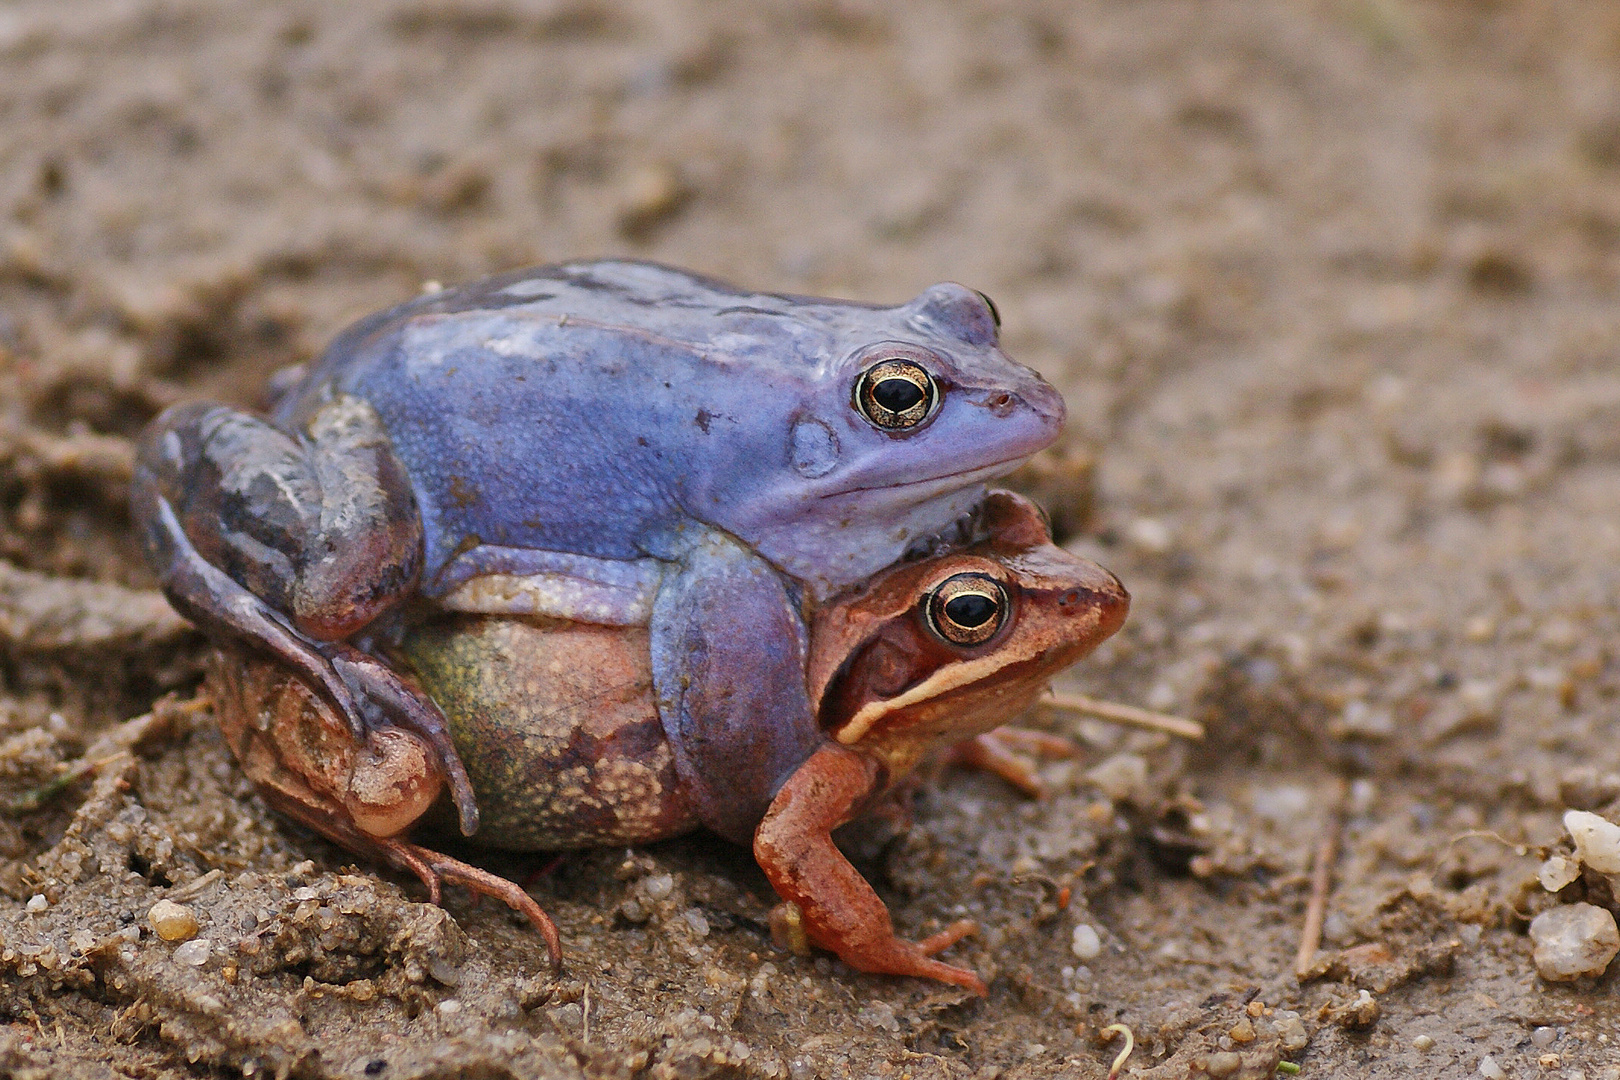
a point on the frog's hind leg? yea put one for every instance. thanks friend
(430, 867)
(292, 545)
(443, 867)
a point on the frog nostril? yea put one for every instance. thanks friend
(1001, 404)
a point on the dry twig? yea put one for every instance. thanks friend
(1115, 713)
(1327, 852)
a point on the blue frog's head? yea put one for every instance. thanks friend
(891, 421)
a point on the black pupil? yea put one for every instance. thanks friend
(971, 610)
(897, 394)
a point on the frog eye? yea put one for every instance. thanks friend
(967, 609)
(896, 394)
(995, 312)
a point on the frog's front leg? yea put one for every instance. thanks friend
(841, 912)
(292, 544)
(1008, 752)
(728, 658)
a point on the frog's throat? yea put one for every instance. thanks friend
(943, 481)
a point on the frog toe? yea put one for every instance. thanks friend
(898, 957)
(432, 867)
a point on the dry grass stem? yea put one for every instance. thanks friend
(1115, 713)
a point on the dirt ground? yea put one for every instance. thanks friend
(1329, 287)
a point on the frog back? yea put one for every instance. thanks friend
(571, 409)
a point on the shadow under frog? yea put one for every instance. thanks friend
(615, 443)
(561, 732)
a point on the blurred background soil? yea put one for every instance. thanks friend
(1329, 287)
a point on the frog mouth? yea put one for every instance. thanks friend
(953, 480)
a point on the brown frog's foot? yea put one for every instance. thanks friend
(432, 867)
(899, 957)
(1007, 753)
(838, 910)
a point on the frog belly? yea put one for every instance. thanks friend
(557, 724)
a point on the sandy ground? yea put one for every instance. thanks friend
(1328, 287)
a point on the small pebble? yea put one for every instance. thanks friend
(1120, 776)
(1557, 872)
(1086, 943)
(37, 903)
(650, 196)
(1291, 1034)
(694, 919)
(1366, 721)
(567, 1017)
(1574, 941)
(1543, 1037)
(1490, 1070)
(879, 1014)
(1597, 841)
(1150, 535)
(194, 953)
(172, 921)
(658, 886)
(1423, 1042)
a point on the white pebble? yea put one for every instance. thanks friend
(878, 1014)
(1150, 535)
(1574, 941)
(695, 919)
(1291, 1035)
(1120, 776)
(1489, 1069)
(1557, 872)
(37, 903)
(1423, 1042)
(194, 953)
(658, 886)
(1282, 803)
(1360, 718)
(1086, 943)
(1543, 1037)
(1597, 841)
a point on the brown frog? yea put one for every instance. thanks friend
(560, 731)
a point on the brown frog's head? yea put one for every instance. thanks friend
(931, 652)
